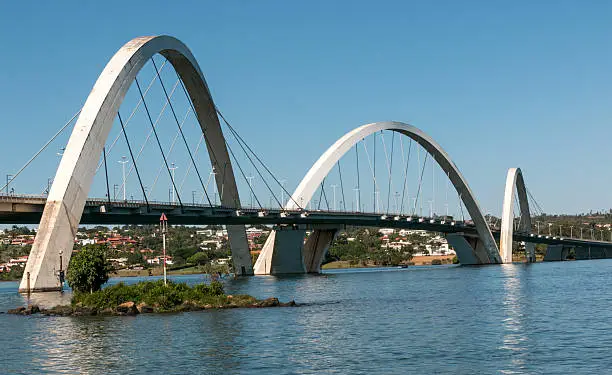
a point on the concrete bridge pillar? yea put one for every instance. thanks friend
(470, 250)
(285, 251)
(282, 252)
(316, 248)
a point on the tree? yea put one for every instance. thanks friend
(135, 258)
(88, 269)
(198, 258)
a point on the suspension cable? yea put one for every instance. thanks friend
(43, 148)
(280, 204)
(406, 177)
(127, 122)
(161, 167)
(390, 172)
(341, 186)
(243, 144)
(377, 188)
(358, 186)
(244, 175)
(180, 129)
(158, 142)
(146, 141)
(106, 175)
(420, 181)
(127, 141)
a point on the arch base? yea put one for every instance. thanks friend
(470, 250)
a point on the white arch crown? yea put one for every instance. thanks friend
(515, 179)
(488, 253)
(75, 173)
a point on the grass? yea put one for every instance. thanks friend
(156, 294)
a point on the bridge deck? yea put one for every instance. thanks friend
(21, 209)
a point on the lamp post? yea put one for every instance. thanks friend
(356, 190)
(571, 231)
(9, 178)
(550, 229)
(581, 233)
(538, 226)
(250, 178)
(173, 168)
(123, 162)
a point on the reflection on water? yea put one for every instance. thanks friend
(539, 318)
(513, 317)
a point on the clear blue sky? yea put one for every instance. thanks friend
(498, 84)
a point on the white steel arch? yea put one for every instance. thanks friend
(313, 179)
(75, 173)
(514, 179)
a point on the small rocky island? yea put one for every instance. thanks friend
(151, 297)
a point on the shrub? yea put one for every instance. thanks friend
(88, 269)
(455, 260)
(436, 262)
(153, 293)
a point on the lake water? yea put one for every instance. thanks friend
(541, 318)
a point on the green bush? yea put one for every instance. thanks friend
(88, 269)
(436, 262)
(455, 260)
(153, 293)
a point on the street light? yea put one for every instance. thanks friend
(173, 168)
(123, 162)
(550, 229)
(571, 231)
(9, 178)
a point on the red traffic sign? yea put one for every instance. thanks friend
(163, 217)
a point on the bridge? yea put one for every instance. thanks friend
(99, 127)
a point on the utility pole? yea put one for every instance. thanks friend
(334, 187)
(163, 227)
(550, 229)
(538, 226)
(571, 231)
(250, 178)
(581, 232)
(123, 162)
(560, 231)
(173, 168)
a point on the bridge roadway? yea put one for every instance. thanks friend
(27, 209)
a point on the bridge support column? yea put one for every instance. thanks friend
(316, 247)
(470, 250)
(282, 252)
(241, 256)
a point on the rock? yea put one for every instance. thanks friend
(58, 311)
(33, 309)
(127, 308)
(289, 304)
(230, 296)
(84, 311)
(269, 302)
(143, 308)
(18, 310)
(208, 306)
